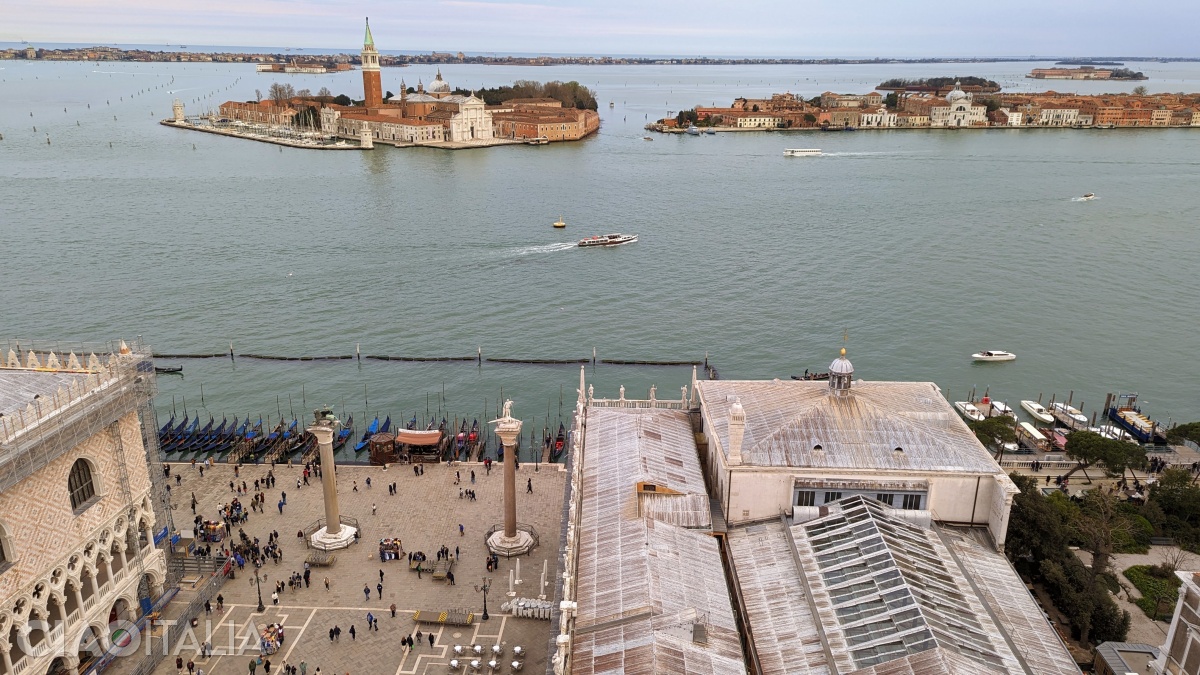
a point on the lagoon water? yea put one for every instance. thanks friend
(920, 246)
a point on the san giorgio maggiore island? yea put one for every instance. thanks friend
(430, 116)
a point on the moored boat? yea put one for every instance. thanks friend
(1068, 415)
(692, 130)
(371, 430)
(1037, 411)
(968, 411)
(560, 223)
(997, 408)
(993, 355)
(614, 239)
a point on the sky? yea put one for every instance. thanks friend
(786, 28)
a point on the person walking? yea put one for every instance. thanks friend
(366, 592)
(275, 597)
(472, 476)
(372, 508)
(370, 620)
(220, 603)
(191, 666)
(529, 486)
(418, 638)
(378, 589)
(461, 530)
(304, 668)
(431, 638)
(381, 576)
(178, 665)
(207, 607)
(337, 633)
(267, 666)
(327, 583)
(393, 608)
(331, 635)
(353, 633)
(253, 665)
(281, 504)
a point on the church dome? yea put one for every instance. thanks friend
(841, 365)
(438, 86)
(956, 95)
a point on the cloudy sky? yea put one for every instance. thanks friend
(893, 28)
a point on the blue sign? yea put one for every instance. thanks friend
(160, 535)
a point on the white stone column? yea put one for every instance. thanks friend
(8, 664)
(78, 598)
(510, 541)
(334, 535)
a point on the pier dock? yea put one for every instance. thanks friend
(288, 142)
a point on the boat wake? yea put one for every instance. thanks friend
(1083, 199)
(544, 248)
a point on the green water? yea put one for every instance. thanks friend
(920, 246)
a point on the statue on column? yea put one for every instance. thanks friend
(507, 408)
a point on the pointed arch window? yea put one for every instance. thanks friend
(81, 486)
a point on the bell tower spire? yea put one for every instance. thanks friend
(372, 86)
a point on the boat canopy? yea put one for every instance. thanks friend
(419, 437)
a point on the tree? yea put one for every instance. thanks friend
(1099, 525)
(891, 100)
(1140, 90)
(388, 95)
(754, 108)
(342, 99)
(1089, 448)
(810, 118)
(281, 93)
(258, 95)
(1182, 432)
(1036, 528)
(995, 430)
(304, 93)
(324, 91)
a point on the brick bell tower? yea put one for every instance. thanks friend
(372, 87)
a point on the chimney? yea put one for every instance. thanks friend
(737, 428)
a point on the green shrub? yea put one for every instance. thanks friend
(1155, 589)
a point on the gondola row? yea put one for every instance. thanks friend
(244, 442)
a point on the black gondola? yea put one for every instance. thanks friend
(169, 370)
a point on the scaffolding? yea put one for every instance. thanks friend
(111, 380)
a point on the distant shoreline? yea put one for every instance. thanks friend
(164, 53)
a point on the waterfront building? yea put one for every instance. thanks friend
(261, 112)
(880, 118)
(77, 511)
(543, 120)
(1059, 117)
(758, 121)
(386, 127)
(1180, 654)
(831, 100)
(861, 526)
(1082, 73)
(958, 111)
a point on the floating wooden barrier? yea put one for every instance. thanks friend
(421, 358)
(266, 357)
(541, 361)
(190, 356)
(630, 362)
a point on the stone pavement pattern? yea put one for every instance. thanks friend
(425, 515)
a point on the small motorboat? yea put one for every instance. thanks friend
(1037, 411)
(647, 138)
(968, 411)
(994, 355)
(1088, 197)
(559, 223)
(998, 408)
(710, 132)
(692, 130)
(802, 152)
(615, 239)
(1068, 415)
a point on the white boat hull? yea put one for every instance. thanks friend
(968, 411)
(994, 356)
(1037, 411)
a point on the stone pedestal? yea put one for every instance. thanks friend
(326, 540)
(519, 544)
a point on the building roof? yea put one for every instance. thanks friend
(787, 420)
(786, 635)
(868, 591)
(368, 39)
(388, 119)
(637, 613)
(20, 388)
(1119, 655)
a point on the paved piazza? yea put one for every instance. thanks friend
(425, 515)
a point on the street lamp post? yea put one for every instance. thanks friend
(487, 584)
(258, 579)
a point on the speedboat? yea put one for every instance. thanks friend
(647, 138)
(802, 152)
(1037, 411)
(710, 132)
(1068, 415)
(1000, 408)
(559, 223)
(969, 411)
(692, 130)
(615, 239)
(1089, 196)
(993, 355)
